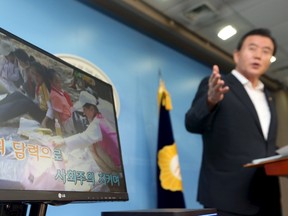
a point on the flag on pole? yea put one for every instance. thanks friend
(169, 182)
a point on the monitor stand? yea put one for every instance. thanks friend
(38, 209)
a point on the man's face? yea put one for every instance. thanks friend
(253, 59)
(89, 112)
(57, 82)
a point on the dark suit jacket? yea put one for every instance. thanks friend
(232, 137)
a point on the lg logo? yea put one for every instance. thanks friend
(61, 195)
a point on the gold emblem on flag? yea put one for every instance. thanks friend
(168, 162)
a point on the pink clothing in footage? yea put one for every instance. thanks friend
(109, 142)
(61, 103)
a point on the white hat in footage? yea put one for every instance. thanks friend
(85, 98)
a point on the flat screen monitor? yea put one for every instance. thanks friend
(59, 138)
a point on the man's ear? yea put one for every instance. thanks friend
(236, 56)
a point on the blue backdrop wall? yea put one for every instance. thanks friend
(132, 61)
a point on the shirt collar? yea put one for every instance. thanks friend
(245, 82)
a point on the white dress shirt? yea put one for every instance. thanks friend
(258, 98)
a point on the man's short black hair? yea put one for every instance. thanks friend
(262, 32)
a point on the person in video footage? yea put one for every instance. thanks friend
(236, 117)
(25, 83)
(9, 70)
(61, 103)
(99, 136)
(39, 107)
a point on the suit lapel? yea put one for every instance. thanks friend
(272, 111)
(237, 88)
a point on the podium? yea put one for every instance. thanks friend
(163, 212)
(277, 167)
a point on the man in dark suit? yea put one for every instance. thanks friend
(236, 117)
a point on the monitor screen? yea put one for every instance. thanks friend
(59, 139)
